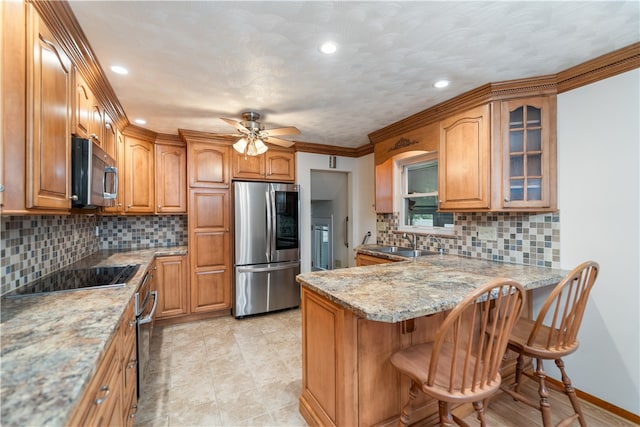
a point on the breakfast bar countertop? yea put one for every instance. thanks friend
(405, 290)
(52, 343)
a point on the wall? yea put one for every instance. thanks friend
(34, 246)
(360, 184)
(599, 198)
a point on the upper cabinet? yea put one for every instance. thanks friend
(464, 180)
(49, 83)
(139, 177)
(171, 178)
(208, 165)
(528, 140)
(274, 165)
(496, 149)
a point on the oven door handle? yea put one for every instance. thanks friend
(149, 318)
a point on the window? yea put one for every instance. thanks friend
(419, 204)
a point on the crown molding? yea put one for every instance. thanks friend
(333, 150)
(140, 133)
(198, 136)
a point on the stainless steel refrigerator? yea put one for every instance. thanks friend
(267, 247)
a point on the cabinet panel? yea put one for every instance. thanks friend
(49, 80)
(208, 165)
(247, 167)
(384, 187)
(119, 149)
(362, 259)
(172, 286)
(139, 176)
(210, 291)
(210, 250)
(464, 160)
(171, 179)
(528, 138)
(280, 165)
(83, 107)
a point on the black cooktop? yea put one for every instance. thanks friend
(77, 279)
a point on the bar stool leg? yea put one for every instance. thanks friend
(570, 391)
(545, 407)
(446, 420)
(405, 416)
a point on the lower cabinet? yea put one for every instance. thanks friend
(362, 259)
(111, 398)
(172, 283)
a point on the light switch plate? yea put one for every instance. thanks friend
(381, 226)
(487, 233)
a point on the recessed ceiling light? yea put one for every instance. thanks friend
(140, 121)
(328, 48)
(119, 69)
(441, 84)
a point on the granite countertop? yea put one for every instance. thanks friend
(394, 292)
(52, 343)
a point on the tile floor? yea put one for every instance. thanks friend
(225, 372)
(228, 372)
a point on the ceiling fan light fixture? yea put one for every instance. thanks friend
(241, 145)
(260, 146)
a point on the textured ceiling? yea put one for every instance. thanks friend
(191, 63)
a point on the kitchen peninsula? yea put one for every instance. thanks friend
(354, 319)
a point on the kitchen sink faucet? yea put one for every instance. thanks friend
(412, 239)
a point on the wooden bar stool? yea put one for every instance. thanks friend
(462, 364)
(562, 311)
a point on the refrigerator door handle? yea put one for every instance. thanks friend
(279, 266)
(269, 228)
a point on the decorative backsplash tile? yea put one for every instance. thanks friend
(530, 239)
(141, 232)
(34, 246)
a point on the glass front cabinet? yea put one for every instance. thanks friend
(528, 138)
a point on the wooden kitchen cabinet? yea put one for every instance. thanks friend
(49, 89)
(208, 165)
(129, 366)
(384, 187)
(210, 250)
(171, 178)
(172, 282)
(274, 165)
(362, 259)
(139, 176)
(528, 154)
(101, 404)
(118, 205)
(84, 104)
(464, 160)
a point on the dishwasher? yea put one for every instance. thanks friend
(146, 301)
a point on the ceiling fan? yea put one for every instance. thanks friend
(254, 135)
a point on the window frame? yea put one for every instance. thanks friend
(400, 194)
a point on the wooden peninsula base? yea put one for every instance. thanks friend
(347, 379)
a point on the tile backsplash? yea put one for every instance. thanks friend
(530, 239)
(140, 232)
(34, 246)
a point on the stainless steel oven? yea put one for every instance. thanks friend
(146, 301)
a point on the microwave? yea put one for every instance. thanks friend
(94, 176)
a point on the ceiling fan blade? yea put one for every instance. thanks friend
(236, 125)
(289, 130)
(278, 141)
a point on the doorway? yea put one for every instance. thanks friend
(330, 223)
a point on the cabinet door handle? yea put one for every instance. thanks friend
(506, 199)
(106, 390)
(132, 364)
(74, 198)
